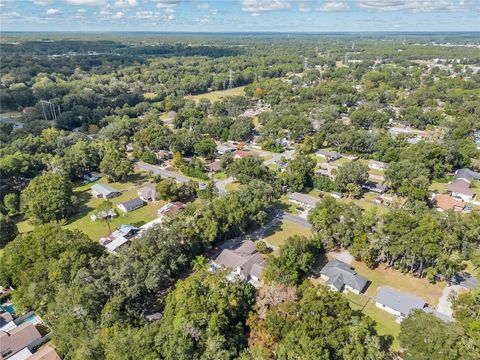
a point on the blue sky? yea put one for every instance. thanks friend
(240, 15)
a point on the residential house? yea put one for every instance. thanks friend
(240, 154)
(91, 177)
(377, 165)
(163, 155)
(225, 149)
(214, 167)
(329, 155)
(110, 213)
(340, 276)
(326, 173)
(397, 303)
(104, 191)
(401, 304)
(245, 262)
(460, 189)
(148, 193)
(119, 237)
(375, 187)
(130, 205)
(466, 175)
(18, 339)
(400, 130)
(170, 209)
(444, 202)
(303, 199)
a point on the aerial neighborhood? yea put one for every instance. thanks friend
(229, 196)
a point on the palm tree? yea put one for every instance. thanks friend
(102, 213)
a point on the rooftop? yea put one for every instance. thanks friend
(399, 301)
(103, 189)
(341, 274)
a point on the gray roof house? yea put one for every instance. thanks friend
(104, 191)
(130, 205)
(467, 175)
(303, 199)
(375, 187)
(341, 276)
(397, 303)
(148, 193)
(244, 260)
(329, 155)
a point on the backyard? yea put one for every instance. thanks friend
(278, 234)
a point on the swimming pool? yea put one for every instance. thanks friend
(9, 308)
(31, 319)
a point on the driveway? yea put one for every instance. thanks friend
(343, 256)
(444, 303)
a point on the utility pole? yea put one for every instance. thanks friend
(230, 79)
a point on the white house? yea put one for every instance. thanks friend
(397, 303)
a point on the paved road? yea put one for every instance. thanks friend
(164, 173)
(287, 155)
(221, 184)
(296, 219)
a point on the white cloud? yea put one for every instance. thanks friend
(333, 5)
(256, 7)
(42, 2)
(170, 11)
(118, 15)
(52, 12)
(10, 15)
(416, 5)
(86, 2)
(203, 6)
(304, 8)
(124, 3)
(81, 11)
(167, 3)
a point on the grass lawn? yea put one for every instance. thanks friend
(220, 175)
(385, 322)
(288, 206)
(217, 95)
(382, 276)
(277, 235)
(441, 188)
(233, 186)
(97, 229)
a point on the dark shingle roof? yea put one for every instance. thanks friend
(340, 274)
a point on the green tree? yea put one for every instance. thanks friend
(206, 148)
(205, 318)
(316, 324)
(300, 173)
(12, 203)
(115, 164)
(296, 257)
(352, 173)
(9, 230)
(423, 337)
(48, 197)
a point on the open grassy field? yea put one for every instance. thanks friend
(382, 276)
(280, 233)
(98, 229)
(217, 95)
